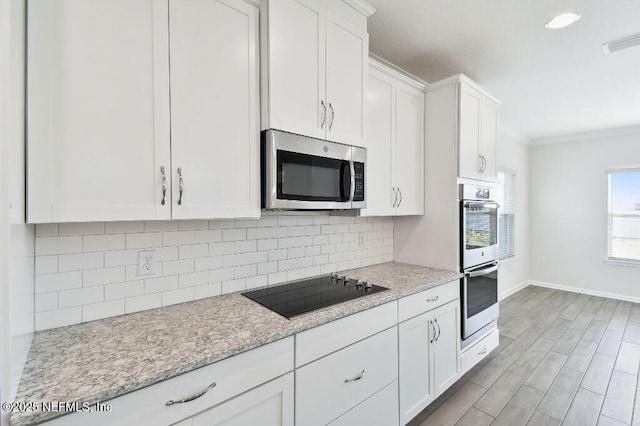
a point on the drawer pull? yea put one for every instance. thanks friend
(192, 397)
(358, 377)
(433, 299)
(483, 351)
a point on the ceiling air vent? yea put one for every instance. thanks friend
(620, 44)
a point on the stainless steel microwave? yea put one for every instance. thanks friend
(302, 173)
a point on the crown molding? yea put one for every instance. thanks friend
(595, 134)
(361, 6)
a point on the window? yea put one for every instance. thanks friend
(506, 215)
(624, 215)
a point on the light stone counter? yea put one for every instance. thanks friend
(100, 360)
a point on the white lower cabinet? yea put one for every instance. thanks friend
(268, 405)
(479, 350)
(380, 409)
(331, 386)
(429, 347)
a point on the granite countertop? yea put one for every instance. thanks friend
(100, 360)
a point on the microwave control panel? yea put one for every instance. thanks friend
(358, 194)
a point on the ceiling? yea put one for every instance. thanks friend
(551, 82)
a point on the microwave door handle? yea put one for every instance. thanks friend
(352, 180)
(346, 187)
(482, 272)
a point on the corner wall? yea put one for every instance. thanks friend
(513, 156)
(569, 215)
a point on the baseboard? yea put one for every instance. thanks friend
(514, 290)
(585, 291)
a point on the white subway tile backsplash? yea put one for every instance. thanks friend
(194, 251)
(58, 318)
(208, 236)
(47, 230)
(177, 296)
(81, 296)
(143, 240)
(46, 264)
(46, 302)
(142, 303)
(123, 290)
(208, 290)
(58, 245)
(177, 267)
(103, 242)
(87, 271)
(237, 234)
(157, 285)
(103, 276)
(59, 281)
(80, 262)
(82, 228)
(102, 310)
(207, 263)
(161, 226)
(123, 227)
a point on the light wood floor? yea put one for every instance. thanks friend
(564, 358)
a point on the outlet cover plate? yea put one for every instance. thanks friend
(146, 263)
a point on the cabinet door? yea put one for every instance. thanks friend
(380, 409)
(347, 59)
(469, 161)
(270, 405)
(295, 48)
(380, 134)
(446, 346)
(409, 150)
(98, 110)
(214, 109)
(415, 380)
(489, 128)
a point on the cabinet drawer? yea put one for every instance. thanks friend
(320, 341)
(232, 377)
(424, 301)
(479, 350)
(380, 409)
(322, 390)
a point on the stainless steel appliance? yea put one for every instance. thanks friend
(312, 294)
(302, 173)
(479, 260)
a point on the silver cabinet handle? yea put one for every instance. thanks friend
(192, 397)
(400, 191)
(180, 185)
(358, 377)
(484, 164)
(438, 324)
(395, 200)
(164, 185)
(481, 163)
(483, 351)
(433, 299)
(333, 115)
(324, 114)
(433, 332)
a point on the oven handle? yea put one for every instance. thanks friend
(482, 205)
(481, 272)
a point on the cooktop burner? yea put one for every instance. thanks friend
(300, 297)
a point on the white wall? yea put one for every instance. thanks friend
(513, 156)
(569, 214)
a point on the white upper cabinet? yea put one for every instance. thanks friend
(215, 124)
(314, 65)
(98, 110)
(395, 144)
(105, 139)
(478, 133)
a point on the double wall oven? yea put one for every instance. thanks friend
(479, 260)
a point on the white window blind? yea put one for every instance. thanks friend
(624, 215)
(506, 215)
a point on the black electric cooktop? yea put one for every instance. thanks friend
(301, 297)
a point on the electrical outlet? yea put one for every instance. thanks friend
(361, 240)
(146, 263)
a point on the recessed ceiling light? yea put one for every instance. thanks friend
(563, 20)
(620, 44)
